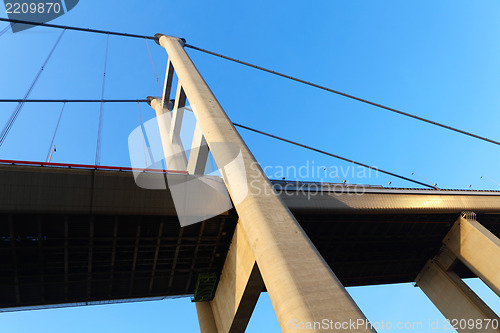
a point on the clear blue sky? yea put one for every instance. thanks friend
(434, 59)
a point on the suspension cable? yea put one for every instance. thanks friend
(265, 70)
(55, 132)
(145, 141)
(343, 94)
(335, 156)
(153, 64)
(57, 26)
(143, 138)
(101, 109)
(256, 131)
(4, 30)
(19, 107)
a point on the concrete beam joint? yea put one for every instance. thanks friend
(159, 37)
(477, 248)
(453, 297)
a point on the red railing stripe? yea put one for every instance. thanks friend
(87, 166)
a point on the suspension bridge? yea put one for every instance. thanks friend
(77, 234)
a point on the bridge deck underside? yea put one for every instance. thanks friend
(78, 236)
(383, 248)
(52, 259)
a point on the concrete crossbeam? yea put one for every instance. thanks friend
(176, 124)
(478, 249)
(198, 155)
(167, 86)
(178, 112)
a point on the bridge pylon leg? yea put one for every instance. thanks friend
(304, 291)
(456, 301)
(205, 317)
(238, 290)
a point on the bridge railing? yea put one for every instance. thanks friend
(87, 166)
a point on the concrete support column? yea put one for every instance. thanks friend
(477, 248)
(175, 157)
(302, 287)
(453, 297)
(205, 317)
(169, 118)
